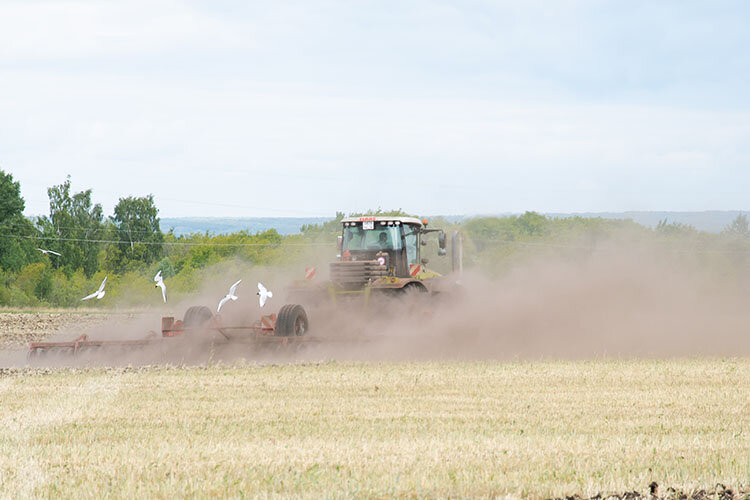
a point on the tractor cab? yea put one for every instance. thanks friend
(393, 242)
(378, 254)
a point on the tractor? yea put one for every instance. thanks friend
(380, 256)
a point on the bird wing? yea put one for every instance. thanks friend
(41, 250)
(158, 276)
(163, 290)
(87, 297)
(54, 253)
(101, 287)
(223, 301)
(263, 294)
(233, 287)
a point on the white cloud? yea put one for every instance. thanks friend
(32, 30)
(308, 153)
(309, 108)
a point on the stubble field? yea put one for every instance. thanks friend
(427, 429)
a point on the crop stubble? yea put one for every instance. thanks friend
(535, 429)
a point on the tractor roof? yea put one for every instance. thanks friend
(402, 220)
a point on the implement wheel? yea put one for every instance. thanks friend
(291, 321)
(197, 316)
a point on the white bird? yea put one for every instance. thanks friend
(45, 252)
(230, 296)
(263, 294)
(160, 283)
(99, 293)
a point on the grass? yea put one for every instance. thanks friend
(375, 430)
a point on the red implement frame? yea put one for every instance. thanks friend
(260, 332)
(83, 341)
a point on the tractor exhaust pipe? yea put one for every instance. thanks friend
(457, 252)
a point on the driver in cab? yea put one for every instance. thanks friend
(383, 241)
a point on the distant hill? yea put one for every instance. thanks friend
(713, 221)
(222, 225)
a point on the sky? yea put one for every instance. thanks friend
(249, 109)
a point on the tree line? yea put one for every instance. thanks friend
(129, 246)
(76, 229)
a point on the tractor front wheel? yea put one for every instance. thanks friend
(413, 290)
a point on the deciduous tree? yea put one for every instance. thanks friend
(74, 227)
(16, 250)
(137, 228)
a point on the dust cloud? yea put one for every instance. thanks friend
(609, 303)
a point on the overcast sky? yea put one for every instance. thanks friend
(237, 108)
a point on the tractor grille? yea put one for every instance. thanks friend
(355, 274)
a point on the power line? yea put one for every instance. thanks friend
(664, 245)
(500, 242)
(112, 229)
(116, 229)
(316, 244)
(103, 230)
(165, 243)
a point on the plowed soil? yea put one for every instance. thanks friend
(718, 492)
(18, 329)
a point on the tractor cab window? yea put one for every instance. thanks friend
(353, 237)
(411, 245)
(380, 238)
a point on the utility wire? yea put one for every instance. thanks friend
(664, 245)
(116, 229)
(165, 243)
(317, 244)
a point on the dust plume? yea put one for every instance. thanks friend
(611, 302)
(614, 302)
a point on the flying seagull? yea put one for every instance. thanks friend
(230, 295)
(99, 293)
(263, 294)
(45, 252)
(160, 283)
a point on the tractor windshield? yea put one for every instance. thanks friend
(379, 238)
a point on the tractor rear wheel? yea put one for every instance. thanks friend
(196, 316)
(291, 320)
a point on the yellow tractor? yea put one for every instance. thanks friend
(381, 256)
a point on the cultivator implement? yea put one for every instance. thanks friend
(286, 328)
(83, 343)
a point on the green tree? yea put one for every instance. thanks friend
(328, 228)
(333, 227)
(11, 203)
(16, 247)
(531, 224)
(137, 227)
(674, 228)
(739, 227)
(74, 228)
